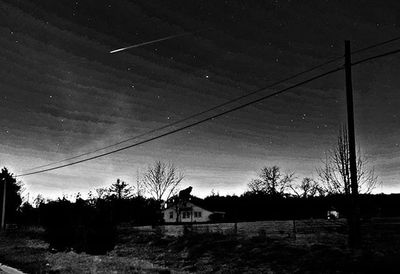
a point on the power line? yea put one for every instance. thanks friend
(194, 115)
(376, 57)
(376, 45)
(187, 126)
(208, 110)
(217, 106)
(213, 116)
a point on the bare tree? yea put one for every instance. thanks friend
(120, 190)
(161, 181)
(38, 200)
(335, 171)
(271, 181)
(307, 188)
(140, 189)
(101, 192)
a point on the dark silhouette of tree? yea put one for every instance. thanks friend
(77, 225)
(120, 190)
(271, 181)
(101, 192)
(334, 174)
(38, 200)
(13, 194)
(27, 214)
(307, 188)
(161, 181)
(139, 188)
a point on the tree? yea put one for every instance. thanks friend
(335, 171)
(120, 190)
(13, 194)
(101, 192)
(307, 188)
(39, 200)
(140, 190)
(161, 181)
(271, 182)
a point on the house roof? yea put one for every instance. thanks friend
(200, 203)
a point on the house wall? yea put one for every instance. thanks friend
(167, 215)
(190, 217)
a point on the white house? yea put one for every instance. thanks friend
(188, 212)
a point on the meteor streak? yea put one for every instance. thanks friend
(156, 40)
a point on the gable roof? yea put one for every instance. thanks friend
(197, 202)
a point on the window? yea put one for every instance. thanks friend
(197, 214)
(185, 214)
(171, 214)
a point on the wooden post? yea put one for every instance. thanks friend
(3, 213)
(354, 220)
(294, 229)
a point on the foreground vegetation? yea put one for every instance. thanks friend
(204, 253)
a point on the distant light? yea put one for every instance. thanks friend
(207, 76)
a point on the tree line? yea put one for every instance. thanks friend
(84, 224)
(333, 177)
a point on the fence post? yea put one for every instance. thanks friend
(3, 215)
(294, 229)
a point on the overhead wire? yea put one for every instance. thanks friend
(208, 110)
(217, 106)
(187, 126)
(194, 115)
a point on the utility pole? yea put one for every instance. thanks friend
(354, 220)
(3, 213)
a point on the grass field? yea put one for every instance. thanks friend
(204, 253)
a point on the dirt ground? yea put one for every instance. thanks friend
(205, 253)
(201, 253)
(28, 252)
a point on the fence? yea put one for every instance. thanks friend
(306, 230)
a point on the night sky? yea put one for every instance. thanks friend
(63, 93)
